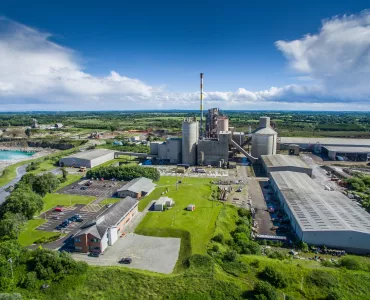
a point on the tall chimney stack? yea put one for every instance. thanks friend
(201, 105)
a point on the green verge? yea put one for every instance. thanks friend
(51, 200)
(70, 179)
(29, 235)
(110, 201)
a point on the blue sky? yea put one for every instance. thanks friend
(148, 54)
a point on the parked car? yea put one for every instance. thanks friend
(55, 218)
(79, 220)
(58, 209)
(58, 227)
(125, 260)
(94, 254)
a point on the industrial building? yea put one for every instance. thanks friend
(310, 142)
(321, 217)
(346, 153)
(264, 139)
(88, 159)
(279, 162)
(214, 151)
(136, 188)
(169, 151)
(105, 231)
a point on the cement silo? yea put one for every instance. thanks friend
(222, 124)
(264, 139)
(190, 131)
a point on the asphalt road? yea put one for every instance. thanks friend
(20, 172)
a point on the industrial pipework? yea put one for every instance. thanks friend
(201, 105)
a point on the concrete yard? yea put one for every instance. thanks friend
(155, 254)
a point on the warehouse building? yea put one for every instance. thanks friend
(310, 142)
(347, 153)
(279, 162)
(136, 188)
(105, 231)
(88, 159)
(321, 217)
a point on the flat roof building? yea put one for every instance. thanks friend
(351, 153)
(305, 142)
(136, 188)
(279, 162)
(88, 159)
(321, 217)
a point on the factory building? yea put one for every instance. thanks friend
(238, 137)
(264, 139)
(214, 151)
(168, 151)
(320, 217)
(88, 159)
(346, 153)
(279, 162)
(190, 135)
(309, 143)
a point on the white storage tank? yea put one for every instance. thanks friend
(264, 139)
(190, 131)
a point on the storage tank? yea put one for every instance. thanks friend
(222, 124)
(190, 131)
(264, 139)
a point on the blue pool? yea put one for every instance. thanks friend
(14, 154)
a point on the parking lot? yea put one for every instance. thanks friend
(100, 189)
(55, 218)
(155, 254)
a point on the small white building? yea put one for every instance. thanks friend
(161, 202)
(190, 207)
(58, 125)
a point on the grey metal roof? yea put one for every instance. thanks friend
(162, 200)
(116, 212)
(90, 154)
(279, 160)
(265, 130)
(344, 149)
(316, 209)
(138, 185)
(326, 141)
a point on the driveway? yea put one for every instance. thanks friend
(155, 254)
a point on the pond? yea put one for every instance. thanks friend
(14, 154)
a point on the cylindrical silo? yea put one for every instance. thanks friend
(264, 139)
(222, 124)
(189, 141)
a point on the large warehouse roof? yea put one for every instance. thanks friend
(279, 160)
(326, 141)
(90, 154)
(346, 149)
(316, 209)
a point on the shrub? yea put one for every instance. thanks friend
(350, 263)
(275, 277)
(303, 246)
(230, 255)
(276, 255)
(264, 290)
(219, 238)
(322, 279)
(30, 282)
(334, 295)
(15, 296)
(242, 212)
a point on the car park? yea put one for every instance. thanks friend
(125, 260)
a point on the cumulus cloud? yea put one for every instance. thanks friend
(332, 64)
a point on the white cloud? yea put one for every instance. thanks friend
(333, 65)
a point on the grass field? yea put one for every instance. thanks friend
(29, 234)
(200, 224)
(51, 200)
(44, 166)
(110, 201)
(70, 179)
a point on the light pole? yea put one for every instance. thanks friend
(10, 261)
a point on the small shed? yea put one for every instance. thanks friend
(161, 202)
(191, 207)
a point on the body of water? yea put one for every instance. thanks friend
(12, 155)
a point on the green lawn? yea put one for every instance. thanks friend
(70, 179)
(51, 200)
(110, 200)
(44, 166)
(200, 224)
(29, 234)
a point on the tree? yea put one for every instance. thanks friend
(44, 184)
(23, 201)
(264, 290)
(28, 132)
(64, 173)
(11, 225)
